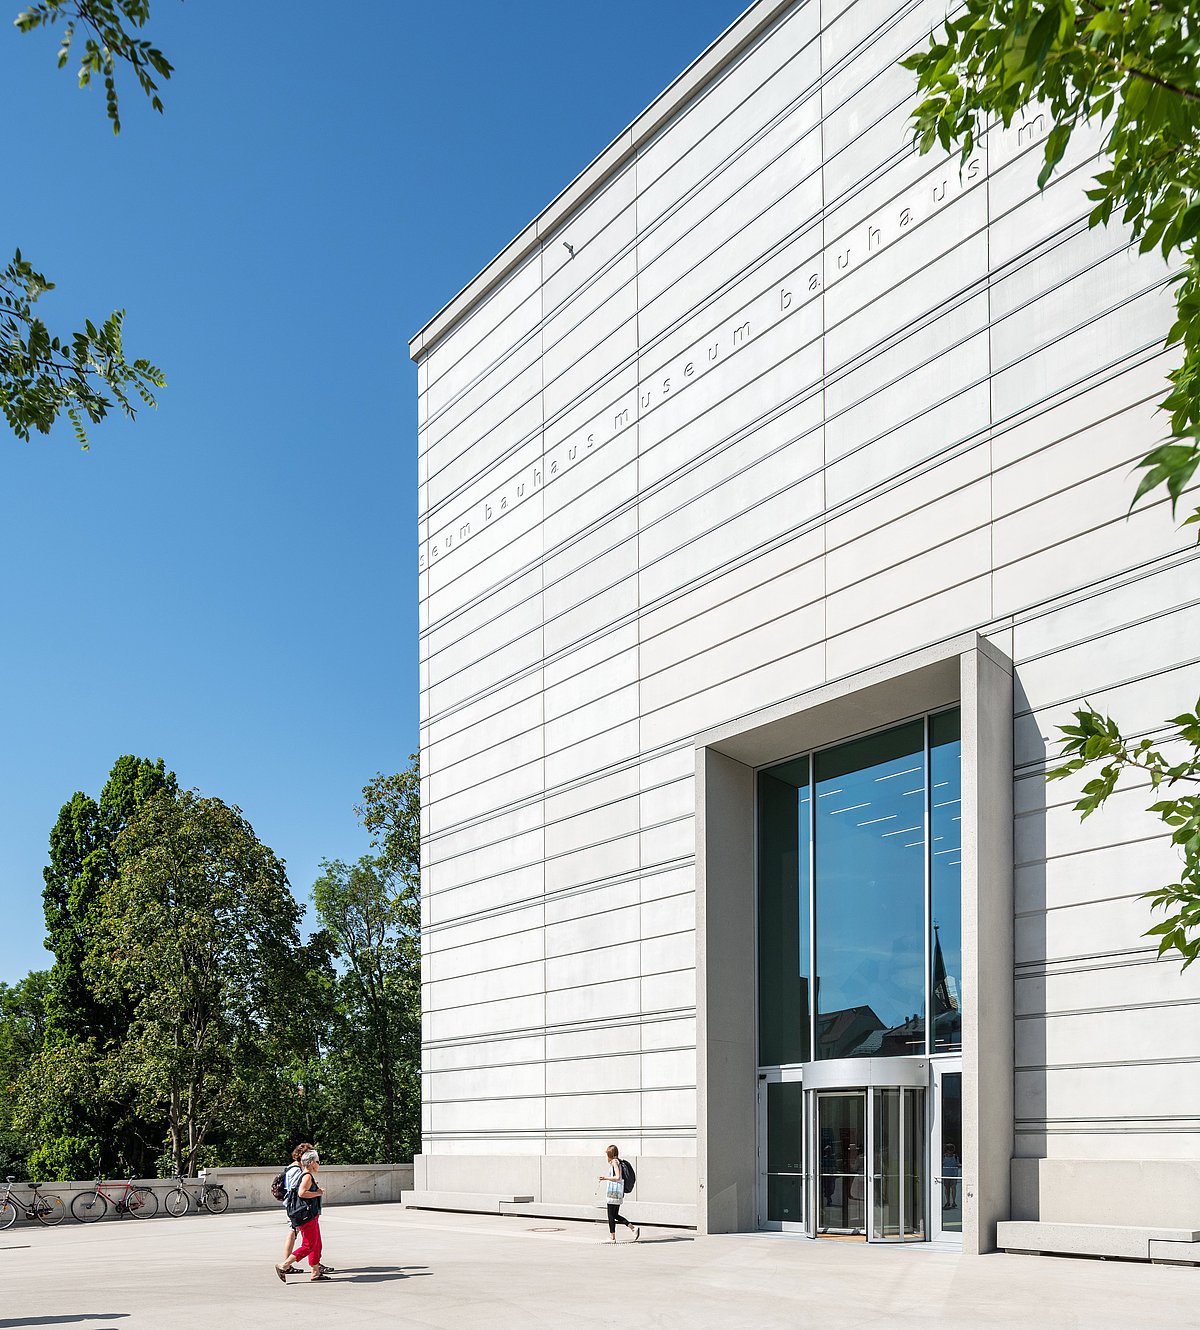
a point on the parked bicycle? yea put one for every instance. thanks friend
(48, 1209)
(89, 1206)
(212, 1197)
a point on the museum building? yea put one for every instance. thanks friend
(773, 491)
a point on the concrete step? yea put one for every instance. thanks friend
(656, 1213)
(474, 1202)
(1128, 1243)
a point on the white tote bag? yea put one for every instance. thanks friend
(614, 1191)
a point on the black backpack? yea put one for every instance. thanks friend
(300, 1209)
(628, 1176)
(279, 1186)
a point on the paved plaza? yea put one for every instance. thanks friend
(464, 1272)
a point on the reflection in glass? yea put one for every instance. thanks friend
(945, 879)
(784, 818)
(898, 1166)
(951, 1147)
(869, 830)
(913, 1165)
(886, 1165)
(841, 1181)
(785, 1152)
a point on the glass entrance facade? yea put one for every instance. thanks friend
(859, 898)
(860, 956)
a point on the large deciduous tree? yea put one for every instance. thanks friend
(370, 911)
(199, 929)
(82, 374)
(1130, 68)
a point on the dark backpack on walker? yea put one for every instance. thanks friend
(628, 1176)
(279, 1186)
(300, 1209)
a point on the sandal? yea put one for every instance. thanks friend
(282, 1273)
(312, 1279)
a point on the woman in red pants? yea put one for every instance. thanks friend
(309, 1246)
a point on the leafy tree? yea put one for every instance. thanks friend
(371, 913)
(22, 1028)
(200, 929)
(81, 374)
(1130, 68)
(73, 1126)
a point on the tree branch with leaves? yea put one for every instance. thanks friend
(85, 374)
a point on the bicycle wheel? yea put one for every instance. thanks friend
(216, 1199)
(50, 1210)
(8, 1215)
(143, 1203)
(177, 1202)
(89, 1206)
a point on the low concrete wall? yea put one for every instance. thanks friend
(1148, 1193)
(566, 1186)
(250, 1188)
(344, 1184)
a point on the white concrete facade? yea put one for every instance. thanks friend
(762, 404)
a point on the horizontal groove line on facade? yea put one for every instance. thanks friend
(1072, 644)
(1087, 849)
(553, 792)
(596, 1025)
(544, 927)
(517, 1031)
(560, 1061)
(428, 1009)
(559, 1094)
(1099, 1010)
(981, 625)
(1103, 959)
(563, 893)
(643, 1133)
(976, 287)
(546, 825)
(1078, 905)
(560, 956)
(1067, 1120)
(632, 158)
(1103, 1065)
(1110, 1130)
(562, 821)
(1055, 398)
(1126, 682)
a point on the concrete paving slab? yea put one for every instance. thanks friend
(431, 1271)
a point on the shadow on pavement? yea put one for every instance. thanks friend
(63, 1320)
(377, 1274)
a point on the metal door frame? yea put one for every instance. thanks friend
(938, 1069)
(775, 1076)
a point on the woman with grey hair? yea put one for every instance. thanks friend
(308, 1221)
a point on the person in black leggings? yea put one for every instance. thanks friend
(614, 1209)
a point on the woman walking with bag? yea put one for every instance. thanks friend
(305, 1213)
(614, 1181)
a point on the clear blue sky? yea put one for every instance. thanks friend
(229, 582)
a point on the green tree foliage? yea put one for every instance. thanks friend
(83, 374)
(200, 929)
(76, 1126)
(1130, 68)
(371, 914)
(22, 1030)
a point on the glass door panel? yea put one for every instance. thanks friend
(840, 1163)
(946, 1152)
(898, 1164)
(781, 1132)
